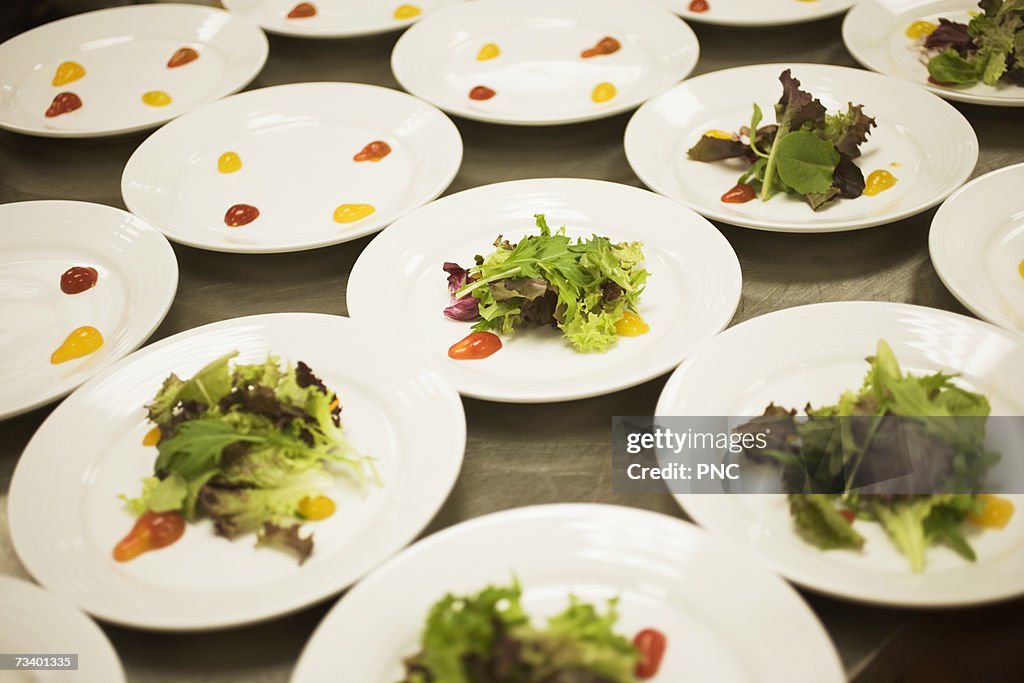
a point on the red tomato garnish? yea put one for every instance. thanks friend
(77, 279)
(302, 11)
(605, 46)
(848, 515)
(474, 347)
(183, 55)
(481, 92)
(374, 151)
(152, 531)
(241, 214)
(739, 194)
(651, 645)
(63, 103)
(699, 6)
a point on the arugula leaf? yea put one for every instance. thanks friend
(805, 162)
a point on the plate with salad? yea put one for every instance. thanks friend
(977, 246)
(904, 548)
(801, 147)
(752, 13)
(544, 62)
(544, 290)
(235, 472)
(574, 592)
(334, 18)
(958, 49)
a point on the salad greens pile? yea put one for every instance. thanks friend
(582, 287)
(244, 445)
(947, 424)
(488, 638)
(989, 49)
(808, 152)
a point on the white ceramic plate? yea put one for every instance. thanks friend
(874, 33)
(396, 407)
(814, 353)
(296, 144)
(669, 575)
(692, 292)
(336, 18)
(757, 13)
(138, 276)
(977, 246)
(924, 142)
(34, 621)
(539, 77)
(124, 52)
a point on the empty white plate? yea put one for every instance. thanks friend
(137, 276)
(875, 34)
(528, 53)
(34, 621)
(334, 18)
(669, 575)
(977, 246)
(397, 407)
(812, 354)
(124, 53)
(692, 291)
(294, 149)
(756, 12)
(924, 142)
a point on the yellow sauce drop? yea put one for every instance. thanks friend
(488, 51)
(407, 11)
(603, 92)
(229, 162)
(316, 508)
(895, 164)
(1020, 268)
(156, 98)
(631, 325)
(878, 181)
(995, 515)
(350, 213)
(152, 437)
(920, 29)
(81, 342)
(68, 72)
(720, 134)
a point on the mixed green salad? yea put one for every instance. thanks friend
(248, 446)
(489, 638)
(808, 152)
(949, 454)
(990, 48)
(582, 287)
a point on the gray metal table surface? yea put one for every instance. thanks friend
(565, 454)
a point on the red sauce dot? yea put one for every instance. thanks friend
(63, 103)
(605, 46)
(374, 151)
(77, 279)
(739, 194)
(848, 515)
(941, 84)
(650, 645)
(241, 214)
(481, 92)
(475, 346)
(699, 6)
(182, 56)
(302, 10)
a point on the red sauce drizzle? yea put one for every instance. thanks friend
(474, 347)
(848, 515)
(605, 46)
(481, 92)
(374, 151)
(152, 531)
(699, 6)
(739, 194)
(241, 214)
(302, 10)
(183, 55)
(77, 279)
(650, 643)
(63, 103)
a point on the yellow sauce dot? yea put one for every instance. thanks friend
(720, 134)
(488, 51)
(156, 98)
(603, 92)
(152, 437)
(995, 515)
(878, 181)
(350, 213)
(631, 325)
(316, 508)
(895, 164)
(1020, 268)
(920, 29)
(68, 72)
(81, 342)
(229, 162)
(407, 11)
